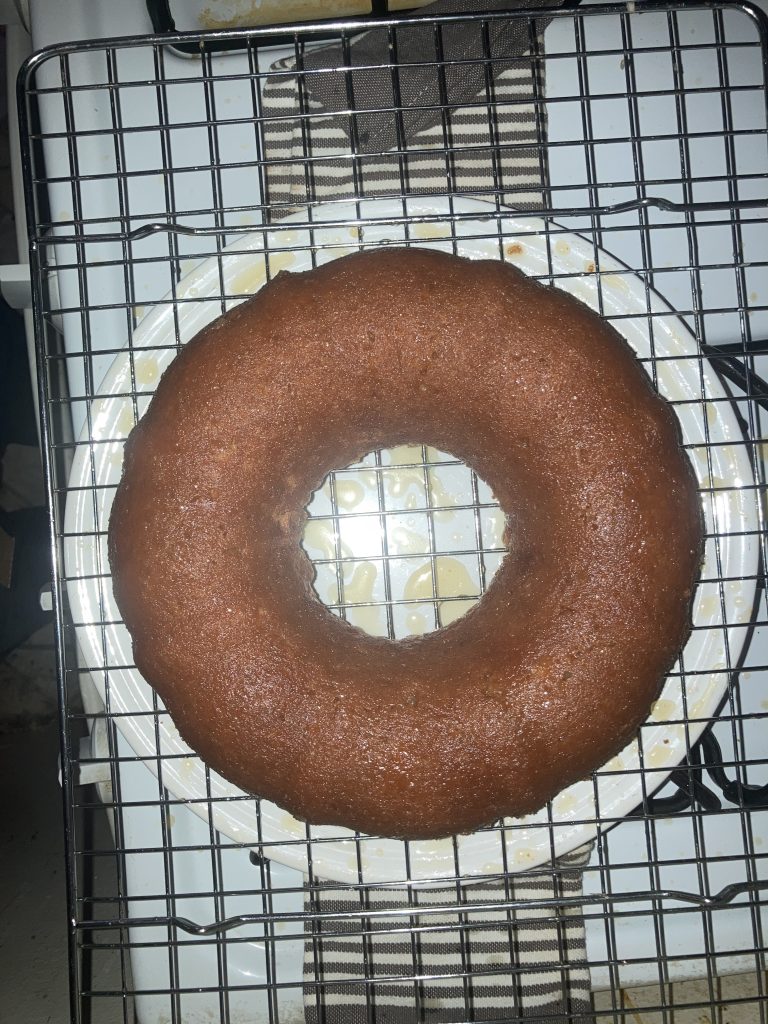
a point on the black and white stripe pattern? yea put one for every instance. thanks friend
(498, 963)
(491, 146)
(508, 961)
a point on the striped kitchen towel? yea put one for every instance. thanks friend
(415, 112)
(506, 961)
(412, 112)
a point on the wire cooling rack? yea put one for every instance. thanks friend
(637, 130)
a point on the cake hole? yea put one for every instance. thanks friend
(404, 541)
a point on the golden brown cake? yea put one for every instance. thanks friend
(558, 664)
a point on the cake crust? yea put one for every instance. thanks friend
(554, 669)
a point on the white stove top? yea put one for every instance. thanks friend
(678, 841)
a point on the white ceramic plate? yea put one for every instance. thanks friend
(678, 717)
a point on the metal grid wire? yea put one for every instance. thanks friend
(649, 141)
(405, 541)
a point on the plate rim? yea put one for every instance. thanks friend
(562, 837)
